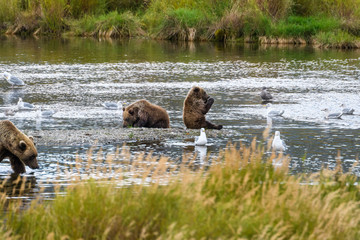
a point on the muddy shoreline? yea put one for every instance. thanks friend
(116, 135)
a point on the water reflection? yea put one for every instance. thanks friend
(17, 185)
(11, 96)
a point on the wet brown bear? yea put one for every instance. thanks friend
(197, 103)
(18, 147)
(145, 114)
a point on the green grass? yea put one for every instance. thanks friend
(337, 39)
(306, 27)
(187, 20)
(112, 24)
(8, 11)
(238, 197)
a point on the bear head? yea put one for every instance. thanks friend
(21, 146)
(199, 93)
(130, 116)
(27, 152)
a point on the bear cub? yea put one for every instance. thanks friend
(18, 147)
(145, 114)
(197, 103)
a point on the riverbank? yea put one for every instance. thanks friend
(330, 24)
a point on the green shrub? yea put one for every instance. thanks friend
(337, 39)
(53, 13)
(179, 24)
(113, 24)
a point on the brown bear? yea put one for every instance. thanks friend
(145, 114)
(18, 147)
(197, 103)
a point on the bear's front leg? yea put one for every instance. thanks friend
(208, 104)
(16, 165)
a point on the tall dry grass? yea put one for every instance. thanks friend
(239, 194)
(8, 11)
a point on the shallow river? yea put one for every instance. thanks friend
(76, 76)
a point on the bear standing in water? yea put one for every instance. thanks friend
(197, 103)
(145, 114)
(18, 147)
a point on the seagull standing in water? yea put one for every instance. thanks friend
(347, 111)
(265, 95)
(14, 81)
(112, 105)
(336, 115)
(25, 105)
(273, 113)
(278, 144)
(201, 140)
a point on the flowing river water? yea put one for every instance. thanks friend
(75, 76)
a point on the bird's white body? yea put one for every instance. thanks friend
(13, 81)
(273, 113)
(112, 105)
(347, 111)
(278, 144)
(201, 140)
(24, 105)
(336, 115)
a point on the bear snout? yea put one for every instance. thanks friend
(34, 165)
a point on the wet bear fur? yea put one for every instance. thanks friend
(145, 114)
(197, 103)
(18, 147)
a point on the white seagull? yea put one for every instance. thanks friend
(347, 111)
(14, 81)
(265, 95)
(112, 105)
(201, 140)
(278, 144)
(336, 115)
(25, 105)
(273, 113)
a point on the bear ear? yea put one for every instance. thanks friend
(22, 145)
(196, 89)
(31, 138)
(123, 109)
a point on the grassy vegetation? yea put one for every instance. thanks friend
(238, 196)
(189, 20)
